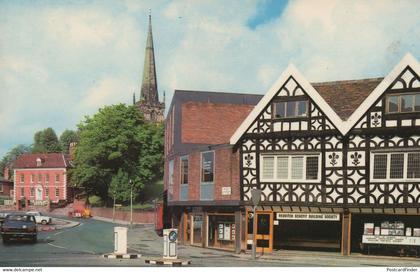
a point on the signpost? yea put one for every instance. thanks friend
(255, 197)
(131, 203)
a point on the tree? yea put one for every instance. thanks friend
(12, 155)
(68, 136)
(116, 145)
(46, 141)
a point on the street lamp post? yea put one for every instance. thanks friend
(131, 203)
(113, 209)
(255, 197)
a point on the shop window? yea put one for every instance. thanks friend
(222, 231)
(290, 109)
(184, 170)
(197, 226)
(207, 166)
(263, 223)
(396, 166)
(290, 168)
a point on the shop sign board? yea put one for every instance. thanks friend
(309, 216)
(391, 240)
(226, 190)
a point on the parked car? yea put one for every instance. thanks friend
(39, 218)
(3, 216)
(19, 225)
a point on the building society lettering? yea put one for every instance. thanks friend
(309, 216)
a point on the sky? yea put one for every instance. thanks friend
(62, 60)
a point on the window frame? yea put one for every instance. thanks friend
(57, 192)
(399, 102)
(289, 179)
(202, 169)
(388, 166)
(275, 103)
(181, 169)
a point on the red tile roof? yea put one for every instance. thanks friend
(49, 160)
(346, 96)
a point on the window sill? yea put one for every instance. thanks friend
(394, 180)
(290, 181)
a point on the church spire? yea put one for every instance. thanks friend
(149, 92)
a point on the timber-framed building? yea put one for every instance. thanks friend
(327, 157)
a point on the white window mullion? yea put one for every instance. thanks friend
(388, 166)
(304, 169)
(405, 166)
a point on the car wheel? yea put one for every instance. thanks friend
(44, 222)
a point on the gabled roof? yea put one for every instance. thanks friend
(48, 160)
(321, 93)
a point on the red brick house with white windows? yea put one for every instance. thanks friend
(40, 178)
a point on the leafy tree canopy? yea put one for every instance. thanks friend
(46, 141)
(12, 155)
(116, 145)
(66, 138)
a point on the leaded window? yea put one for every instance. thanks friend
(290, 168)
(403, 103)
(184, 170)
(289, 109)
(207, 166)
(413, 165)
(379, 166)
(396, 166)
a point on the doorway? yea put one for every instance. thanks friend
(264, 232)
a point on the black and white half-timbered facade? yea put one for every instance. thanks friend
(331, 157)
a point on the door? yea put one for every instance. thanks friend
(38, 194)
(264, 236)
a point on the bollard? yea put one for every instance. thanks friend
(120, 240)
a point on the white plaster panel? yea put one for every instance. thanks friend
(294, 126)
(406, 123)
(391, 123)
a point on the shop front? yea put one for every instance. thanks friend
(286, 230)
(386, 234)
(212, 230)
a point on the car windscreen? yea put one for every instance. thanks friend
(16, 217)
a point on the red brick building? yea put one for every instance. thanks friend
(6, 185)
(41, 177)
(201, 169)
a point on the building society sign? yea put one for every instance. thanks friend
(309, 216)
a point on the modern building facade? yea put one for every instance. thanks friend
(201, 169)
(327, 157)
(41, 178)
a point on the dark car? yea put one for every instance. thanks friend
(3, 216)
(19, 225)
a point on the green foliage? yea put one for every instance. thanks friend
(12, 155)
(66, 138)
(116, 145)
(46, 141)
(95, 201)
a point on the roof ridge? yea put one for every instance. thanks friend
(217, 92)
(347, 81)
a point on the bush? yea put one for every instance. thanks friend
(95, 201)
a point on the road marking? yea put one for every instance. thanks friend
(57, 246)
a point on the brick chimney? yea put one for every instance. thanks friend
(6, 173)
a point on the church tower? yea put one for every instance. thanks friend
(149, 104)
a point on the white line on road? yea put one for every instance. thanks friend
(57, 246)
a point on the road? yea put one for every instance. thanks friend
(84, 245)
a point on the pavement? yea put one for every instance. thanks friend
(85, 243)
(58, 224)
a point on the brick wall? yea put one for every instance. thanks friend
(210, 123)
(226, 174)
(145, 217)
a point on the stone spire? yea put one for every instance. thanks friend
(149, 91)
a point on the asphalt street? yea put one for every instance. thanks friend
(85, 244)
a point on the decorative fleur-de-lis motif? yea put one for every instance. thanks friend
(333, 158)
(376, 119)
(356, 158)
(248, 159)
